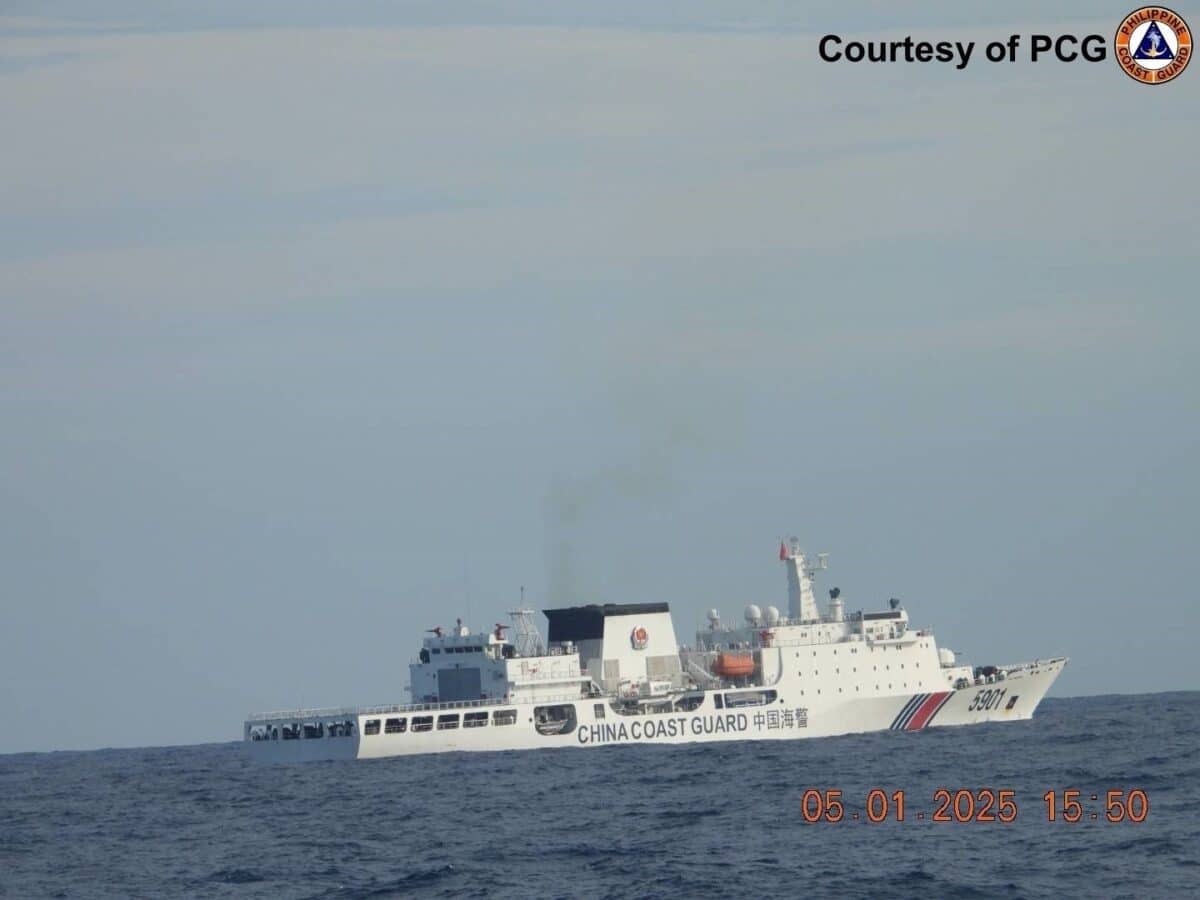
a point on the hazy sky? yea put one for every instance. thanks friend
(316, 332)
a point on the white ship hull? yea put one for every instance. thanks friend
(615, 674)
(794, 709)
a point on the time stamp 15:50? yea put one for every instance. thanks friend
(963, 805)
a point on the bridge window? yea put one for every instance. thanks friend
(504, 717)
(475, 720)
(448, 721)
(372, 727)
(422, 723)
(395, 726)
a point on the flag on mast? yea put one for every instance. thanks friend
(782, 550)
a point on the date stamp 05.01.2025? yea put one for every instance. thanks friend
(977, 805)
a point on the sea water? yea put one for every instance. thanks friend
(719, 820)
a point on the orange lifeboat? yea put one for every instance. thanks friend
(734, 665)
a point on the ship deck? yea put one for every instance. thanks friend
(342, 712)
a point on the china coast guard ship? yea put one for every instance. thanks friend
(615, 674)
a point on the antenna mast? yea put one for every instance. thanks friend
(802, 605)
(526, 638)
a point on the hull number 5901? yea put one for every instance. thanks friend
(985, 700)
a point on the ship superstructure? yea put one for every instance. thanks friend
(615, 673)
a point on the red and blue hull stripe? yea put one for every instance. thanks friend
(919, 711)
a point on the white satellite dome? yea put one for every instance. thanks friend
(753, 614)
(772, 615)
(946, 656)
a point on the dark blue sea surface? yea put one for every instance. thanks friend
(720, 820)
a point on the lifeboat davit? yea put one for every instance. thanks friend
(734, 665)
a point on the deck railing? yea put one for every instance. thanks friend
(1031, 665)
(342, 712)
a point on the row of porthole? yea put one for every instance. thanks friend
(857, 688)
(855, 669)
(855, 650)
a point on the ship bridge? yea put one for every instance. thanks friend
(462, 665)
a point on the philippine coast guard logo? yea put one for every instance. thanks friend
(1154, 44)
(639, 637)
